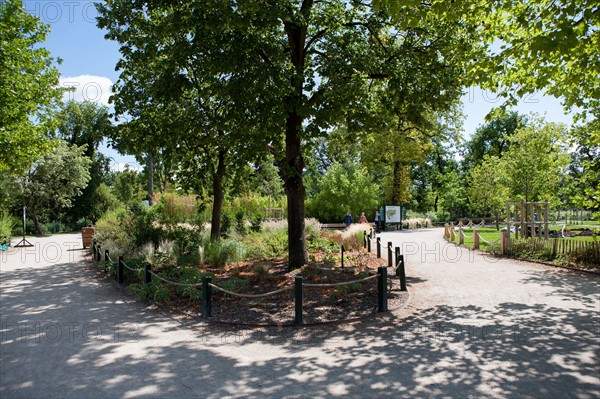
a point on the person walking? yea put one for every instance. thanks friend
(377, 222)
(348, 219)
(363, 218)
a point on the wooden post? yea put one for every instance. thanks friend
(475, 239)
(452, 236)
(461, 236)
(504, 243)
(446, 233)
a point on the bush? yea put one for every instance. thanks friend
(221, 252)
(6, 226)
(173, 209)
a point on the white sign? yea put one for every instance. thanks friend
(392, 214)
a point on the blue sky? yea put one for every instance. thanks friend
(89, 65)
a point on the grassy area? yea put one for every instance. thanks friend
(491, 235)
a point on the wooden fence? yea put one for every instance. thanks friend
(582, 251)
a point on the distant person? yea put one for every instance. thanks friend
(363, 218)
(377, 222)
(348, 219)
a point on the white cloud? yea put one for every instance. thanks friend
(92, 88)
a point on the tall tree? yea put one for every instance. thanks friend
(487, 191)
(297, 68)
(28, 88)
(535, 161)
(492, 139)
(85, 124)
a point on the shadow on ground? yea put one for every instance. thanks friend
(67, 334)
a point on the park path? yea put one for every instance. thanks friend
(474, 327)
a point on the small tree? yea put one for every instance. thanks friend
(55, 180)
(128, 187)
(488, 192)
(535, 161)
(342, 188)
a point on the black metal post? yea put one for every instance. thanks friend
(206, 297)
(121, 271)
(365, 239)
(94, 249)
(397, 256)
(147, 275)
(298, 296)
(343, 250)
(369, 244)
(389, 254)
(106, 257)
(98, 254)
(381, 289)
(379, 247)
(401, 272)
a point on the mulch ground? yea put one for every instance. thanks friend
(320, 304)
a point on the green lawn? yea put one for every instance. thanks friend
(491, 235)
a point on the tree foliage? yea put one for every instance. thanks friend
(531, 45)
(55, 180)
(492, 139)
(344, 187)
(535, 161)
(293, 69)
(487, 191)
(86, 124)
(28, 88)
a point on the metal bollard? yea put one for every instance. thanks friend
(401, 272)
(147, 275)
(298, 298)
(365, 239)
(379, 247)
(343, 250)
(369, 245)
(121, 271)
(98, 254)
(381, 289)
(206, 297)
(389, 254)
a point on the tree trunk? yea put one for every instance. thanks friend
(294, 189)
(150, 167)
(497, 221)
(36, 222)
(293, 165)
(218, 195)
(395, 197)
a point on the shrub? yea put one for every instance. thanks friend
(240, 223)
(6, 226)
(234, 284)
(173, 209)
(221, 252)
(255, 224)
(111, 234)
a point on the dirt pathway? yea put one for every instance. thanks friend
(474, 327)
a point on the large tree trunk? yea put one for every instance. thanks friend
(294, 189)
(218, 195)
(293, 164)
(150, 167)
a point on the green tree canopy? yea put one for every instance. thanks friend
(28, 88)
(535, 161)
(345, 187)
(55, 180)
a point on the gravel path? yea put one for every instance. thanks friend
(475, 327)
